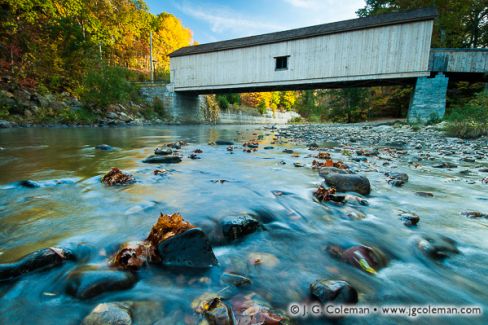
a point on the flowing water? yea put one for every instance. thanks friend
(291, 245)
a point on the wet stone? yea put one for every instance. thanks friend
(224, 143)
(445, 165)
(324, 171)
(397, 179)
(234, 227)
(235, 279)
(104, 147)
(424, 194)
(348, 183)
(29, 184)
(114, 313)
(163, 151)
(158, 159)
(43, 259)
(90, 281)
(214, 310)
(475, 214)
(409, 219)
(367, 259)
(336, 291)
(437, 247)
(188, 249)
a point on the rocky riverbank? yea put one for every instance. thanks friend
(25, 107)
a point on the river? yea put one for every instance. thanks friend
(296, 228)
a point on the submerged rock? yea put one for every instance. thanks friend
(424, 194)
(234, 227)
(348, 183)
(224, 143)
(397, 179)
(475, 214)
(188, 249)
(117, 177)
(158, 159)
(29, 184)
(235, 279)
(365, 258)
(104, 147)
(214, 310)
(409, 218)
(113, 313)
(445, 165)
(336, 291)
(43, 259)
(437, 247)
(90, 281)
(253, 309)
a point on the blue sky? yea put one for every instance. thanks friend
(216, 20)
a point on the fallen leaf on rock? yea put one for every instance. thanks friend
(323, 155)
(134, 255)
(168, 225)
(328, 194)
(117, 177)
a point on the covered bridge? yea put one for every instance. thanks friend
(379, 50)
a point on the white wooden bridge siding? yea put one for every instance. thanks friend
(460, 60)
(387, 52)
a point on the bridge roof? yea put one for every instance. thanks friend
(312, 31)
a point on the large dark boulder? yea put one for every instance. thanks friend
(188, 249)
(90, 281)
(43, 259)
(348, 183)
(158, 159)
(234, 227)
(337, 291)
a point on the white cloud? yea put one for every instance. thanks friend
(324, 11)
(303, 3)
(225, 21)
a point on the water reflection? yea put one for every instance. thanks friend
(292, 246)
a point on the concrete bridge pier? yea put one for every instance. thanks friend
(428, 101)
(187, 109)
(181, 109)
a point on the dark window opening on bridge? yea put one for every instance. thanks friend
(281, 63)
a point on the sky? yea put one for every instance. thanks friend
(217, 20)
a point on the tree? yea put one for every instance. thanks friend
(460, 23)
